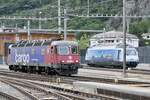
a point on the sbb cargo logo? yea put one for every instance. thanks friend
(22, 58)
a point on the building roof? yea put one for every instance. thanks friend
(145, 34)
(112, 45)
(113, 34)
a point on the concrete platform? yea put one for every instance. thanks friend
(143, 66)
(114, 75)
(4, 66)
(92, 87)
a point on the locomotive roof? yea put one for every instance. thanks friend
(64, 43)
(114, 34)
(27, 43)
(109, 46)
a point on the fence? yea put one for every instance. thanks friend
(82, 56)
(144, 54)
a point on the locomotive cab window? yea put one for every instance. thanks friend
(130, 52)
(63, 50)
(74, 49)
(53, 50)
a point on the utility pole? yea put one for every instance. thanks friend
(40, 27)
(17, 36)
(29, 35)
(65, 24)
(124, 38)
(88, 9)
(59, 18)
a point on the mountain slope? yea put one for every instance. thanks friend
(48, 8)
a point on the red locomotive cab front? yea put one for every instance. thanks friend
(62, 54)
(68, 54)
(64, 57)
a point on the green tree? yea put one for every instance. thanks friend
(140, 27)
(84, 41)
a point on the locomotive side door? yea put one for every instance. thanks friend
(52, 55)
(120, 55)
(48, 54)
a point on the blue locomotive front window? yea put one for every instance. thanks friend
(130, 52)
(63, 50)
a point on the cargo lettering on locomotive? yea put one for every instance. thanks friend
(22, 58)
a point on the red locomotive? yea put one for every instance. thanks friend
(50, 56)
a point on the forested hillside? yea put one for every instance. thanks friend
(48, 8)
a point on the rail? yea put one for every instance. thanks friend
(21, 90)
(8, 96)
(14, 82)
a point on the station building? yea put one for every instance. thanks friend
(12, 35)
(113, 37)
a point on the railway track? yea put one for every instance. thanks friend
(133, 71)
(69, 93)
(66, 79)
(12, 92)
(59, 92)
(5, 96)
(70, 80)
(33, 91)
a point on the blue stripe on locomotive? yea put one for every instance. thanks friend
(28, 55)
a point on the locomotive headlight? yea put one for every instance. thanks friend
(77, 61)
(63, 61)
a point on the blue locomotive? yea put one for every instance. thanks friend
(111, 56)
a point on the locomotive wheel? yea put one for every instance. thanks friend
(10, 67)
(24, 69)
(39, 71)
(47, 71)
(15, 68)
(28, 70)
